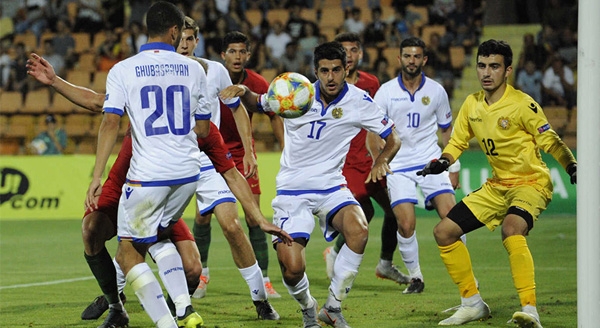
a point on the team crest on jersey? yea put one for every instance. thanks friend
(425, 100)
(337, 112)
(504, 123)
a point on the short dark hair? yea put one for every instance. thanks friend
(235, 37)
(161, 17)
(348, 37)
(190, 23)
(496, 47)
(412, 41)
(330, 50)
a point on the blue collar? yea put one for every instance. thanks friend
(401, 83)
(157, 46)
(335, 101)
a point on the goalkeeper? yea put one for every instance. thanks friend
(510, 128)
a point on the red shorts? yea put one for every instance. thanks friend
(108, 203)
(362, 191)
(253, 181)
(181, 231)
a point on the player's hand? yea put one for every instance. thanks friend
(379, 171)
(436, 166)
(250, 165)
(232, 91)
(40, 69)
(93, 194)
(274, 230)
(572, 171)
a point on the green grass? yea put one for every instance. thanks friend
(45, 282)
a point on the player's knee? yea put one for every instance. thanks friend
(232, 228)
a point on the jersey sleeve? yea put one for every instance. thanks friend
(202, 110)
(461, 132)
(214, 147)
(443, 111)
(224, 82)
(115, 99)
(374, 119)
(535, 122)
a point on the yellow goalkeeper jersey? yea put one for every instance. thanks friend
(511, 132)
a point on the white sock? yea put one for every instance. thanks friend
(148, 290)
(170, 270)
(471, 301)
(254, 279)
(345, 270)
(409, 250)
(121, 282)
(463, 238)
(301, 293)
(530, 309)
(205, 272)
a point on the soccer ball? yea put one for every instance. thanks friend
(290, 95)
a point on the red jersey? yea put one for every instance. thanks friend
(228, 128)
(358, 155)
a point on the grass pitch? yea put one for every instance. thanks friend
(45, 281)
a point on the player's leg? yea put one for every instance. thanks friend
(385, 268)
(525, 205)
(202, 237)
(258, 240)
(292, 261)
(470, 214)
(243, 257)
(98, 227)
(351, 222)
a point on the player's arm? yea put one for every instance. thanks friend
(107, 137)
(240, 188)
(381, 163)
(277, 126)
(242, 122)
(248, 97)
(374, 144)
(454, 169)
(42, 71)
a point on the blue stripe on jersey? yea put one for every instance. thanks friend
(309, 191)
(333, 102)
(210, 208)
(444, 126)
(206, 168)
(157, 46)
(408, 169)
(235, 104)
(404, 200)
(114, 110)
(204, 117)
(387, 132)
(412, 96)
(148, 240)
(163, 182)
(439, 192)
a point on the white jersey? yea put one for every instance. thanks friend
(218, 79)
(417, 120)
(316, 143)
(164, 93)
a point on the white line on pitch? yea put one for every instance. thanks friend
(56, 282)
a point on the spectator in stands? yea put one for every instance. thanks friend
(110, 51)
(380, 69)
(292, 60)
(56, 10)
(214, 40)
(558, 86)
(354, 23)
(52, 141)
(234, 16)
(5, 64)
(136, 38)
(548, 37)
(89, 17)
(56, 60)
(64, 43)
(18, 80)
(7, 28)
(400, 28)
(295, 23)
(555, 14)
(567, 47)
(32, 17)
(377, 31)
(439, 10)
(308, 41)
(529, 80)
(439, 64)
(275, 43)
(530, 51)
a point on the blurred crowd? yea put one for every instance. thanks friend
(93, 35)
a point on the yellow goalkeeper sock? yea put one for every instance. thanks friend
(521, 266)
(458, 263)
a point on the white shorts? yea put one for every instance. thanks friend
(295, 214)
(402, 187)
(144, 210)
(211, 191)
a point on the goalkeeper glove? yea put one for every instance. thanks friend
(436, 166)
(572, 171)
